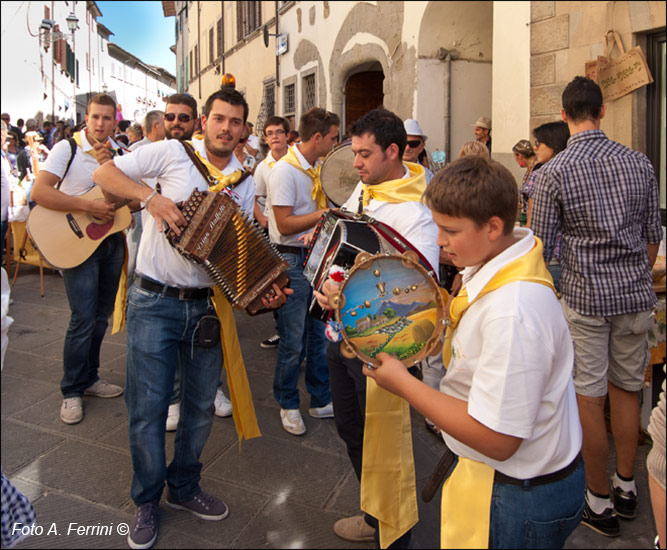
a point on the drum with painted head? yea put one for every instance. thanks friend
(389, 303)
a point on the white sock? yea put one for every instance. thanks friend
(597, 504)
(627, 486)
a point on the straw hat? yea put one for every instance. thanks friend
(483, 122)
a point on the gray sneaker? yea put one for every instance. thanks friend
(71, 411)
(143, 528)
(103, 389)
(204, 506)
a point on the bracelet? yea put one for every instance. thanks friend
(145, 203)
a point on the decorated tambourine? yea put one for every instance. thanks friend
(389, 303)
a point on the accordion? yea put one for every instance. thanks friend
(233, 250)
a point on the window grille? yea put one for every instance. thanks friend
(290, 99)
(308, 92)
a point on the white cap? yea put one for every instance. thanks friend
(412, 128)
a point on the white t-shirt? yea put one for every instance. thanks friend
(261, 177)
(167, 163)
(79, 178)
(289, 186)
(512, 362)
(413, 220)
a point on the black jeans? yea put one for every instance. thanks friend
(348, 392)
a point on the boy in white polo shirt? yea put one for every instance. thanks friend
(507, 405)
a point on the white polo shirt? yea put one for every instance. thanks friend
(167, 163)
(413, 220)
(289, 186)
(79, 178)
(512, 362)
(261, 177)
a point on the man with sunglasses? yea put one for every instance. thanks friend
(414, 150)
(180, 116)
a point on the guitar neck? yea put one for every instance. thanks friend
(121, 203)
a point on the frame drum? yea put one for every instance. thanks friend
(389, 303)
(338, 175)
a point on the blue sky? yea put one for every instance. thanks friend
(142, 29)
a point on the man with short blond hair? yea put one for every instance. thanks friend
(91, 287)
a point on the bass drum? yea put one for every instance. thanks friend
(338, 175)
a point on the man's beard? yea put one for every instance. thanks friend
(186, 135)
(222, 152)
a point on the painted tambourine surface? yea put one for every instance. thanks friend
(338, 175)
(389, 303)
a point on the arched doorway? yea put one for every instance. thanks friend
(363, 92)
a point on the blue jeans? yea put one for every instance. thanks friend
(300, 332)
(91, 290)
(161, 334)
(541, 516)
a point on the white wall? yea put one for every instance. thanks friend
(471, 85)
(511, 79)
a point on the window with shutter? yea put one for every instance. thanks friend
(220, 44)
(308, 92)
(211, 44)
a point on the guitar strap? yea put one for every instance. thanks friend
(73, 146)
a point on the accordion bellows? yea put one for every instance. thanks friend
(234, 251)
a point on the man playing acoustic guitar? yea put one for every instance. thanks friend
(91, 286)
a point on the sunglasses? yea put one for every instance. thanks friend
(414, 143)
(182, 117)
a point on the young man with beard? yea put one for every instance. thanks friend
(167, 307)
(389, 191)
(91, 287)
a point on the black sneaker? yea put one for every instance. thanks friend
(270, 343)
(143, 529)
(625, 503)
(606, 523)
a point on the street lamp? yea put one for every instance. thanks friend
(48, 36)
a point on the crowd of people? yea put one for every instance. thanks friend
(549, 304)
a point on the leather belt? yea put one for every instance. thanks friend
(539, 480)
(290, 249)
(173, 291)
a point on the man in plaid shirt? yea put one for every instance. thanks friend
(603, 197)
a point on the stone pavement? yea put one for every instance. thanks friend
(283, 491)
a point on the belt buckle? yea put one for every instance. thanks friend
(181, 293)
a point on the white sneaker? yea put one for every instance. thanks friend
(223, 406)
(292, 421)
(172, 416)
(322, 412)
(71, 411)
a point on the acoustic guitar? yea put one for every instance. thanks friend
(68, 238)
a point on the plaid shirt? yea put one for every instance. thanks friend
(603, 197)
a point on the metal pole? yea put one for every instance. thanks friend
(53, 74)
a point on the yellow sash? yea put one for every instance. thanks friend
(314, 173)
(91, 152)
(466, 495)
(466, 505)
(388, 488)
(221, 179)
(243, 409)
(401, 190)
(529, 267)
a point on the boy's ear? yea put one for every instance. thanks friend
(496, 228)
